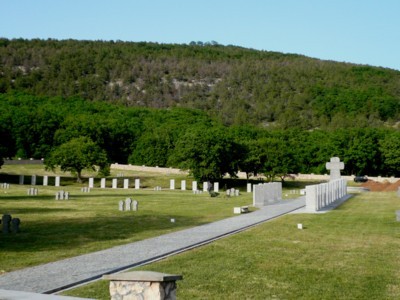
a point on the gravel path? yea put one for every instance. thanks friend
(52, 277)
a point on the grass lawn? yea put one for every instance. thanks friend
(352, 252)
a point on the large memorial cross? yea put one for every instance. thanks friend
(334, 166)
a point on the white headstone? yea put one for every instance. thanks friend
(114, 183)
(137, 184)
(205, 186)
(103, 183)
(194, 185)
(45, 180)
(126, 183)
(172, 184)
(33, 180)
(249, 188)
(121, 205)
(183, 185)
(216, 187)
(21, 179)
(135, 205)
(128, 203)
(57, 183)
(91, 182)
(334, 166)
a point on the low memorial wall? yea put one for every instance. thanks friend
(267, 193)
(322, 195)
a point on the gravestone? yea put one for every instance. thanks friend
(85, 189)
(6, 220)
(121, 205)
(158, 188)
(45, 180)
(103, 183)
(128, 203)
(334, 166)
(137, 184)
(114, 183)
(126, 183)
(216, 187)
(15, 225)
(57, 183)
(135, 205)
(32, 191)
(91, 182)
(33, 180)
(172, 184)
(21, 179)
(194, 186)
(183, 185)
(249, 188)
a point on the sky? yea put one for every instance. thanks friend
(356, 31)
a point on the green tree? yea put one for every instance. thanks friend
(390, 149)
(76, 155)
(207, 152)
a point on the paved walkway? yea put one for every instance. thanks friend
(52, 277)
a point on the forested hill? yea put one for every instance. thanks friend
(236, 85)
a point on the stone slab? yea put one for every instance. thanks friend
(143, 276)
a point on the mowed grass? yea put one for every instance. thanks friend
(53, 230)
(352, 252)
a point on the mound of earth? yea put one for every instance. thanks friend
(386, 186)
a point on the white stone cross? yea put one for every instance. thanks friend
(334, 166)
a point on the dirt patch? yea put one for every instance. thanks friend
(386, 186)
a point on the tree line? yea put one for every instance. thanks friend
(57, 127)
(234, 85)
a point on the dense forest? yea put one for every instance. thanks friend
(208, 108)
(237, 86)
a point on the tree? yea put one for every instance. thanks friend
(208, 152)
(390, 149)
(76, 155)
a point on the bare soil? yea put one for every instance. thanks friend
(386, 186)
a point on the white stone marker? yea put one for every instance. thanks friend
(194, 186)
(91, 182)
(57, 183)
(137, 184)
(126, 183)
(114, 183)
(33, 180)
(103, 183)
(172, 184)
(334, 166)
(249, 188)
(216, 187)
(205, 186)
(45, 180)
(183, 185)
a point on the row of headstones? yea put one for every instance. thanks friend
(62, 195)
(45, 180)
(232, 192)
(128, 205)
(322, 195)
(267, 193)
(10, 224)
(4, 185)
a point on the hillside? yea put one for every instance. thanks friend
(236, 85)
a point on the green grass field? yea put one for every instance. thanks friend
(352, 252)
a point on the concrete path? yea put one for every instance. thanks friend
(52, 277)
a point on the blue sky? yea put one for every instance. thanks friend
(357, 31)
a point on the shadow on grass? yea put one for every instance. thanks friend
(72, 234)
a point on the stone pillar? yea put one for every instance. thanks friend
(91, 182)
(183, 185)
(143, 285)
(103, 183)
(137, 184)
(57, 183)
(172, 184)
(45, 180)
